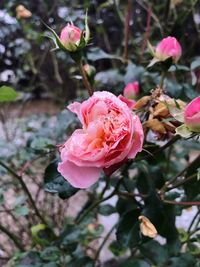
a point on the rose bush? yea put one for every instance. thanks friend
(111, 133)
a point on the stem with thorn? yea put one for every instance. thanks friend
(85, 79)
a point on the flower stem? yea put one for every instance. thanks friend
(182, 203)
(163, 74)
(85, 79)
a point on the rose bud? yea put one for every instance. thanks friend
(131, 90)
(192, 115)
(70, 37)
(169, 47)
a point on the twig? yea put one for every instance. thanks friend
(103, 243)
(193, 220)
(95, 204)
(163, 189)
(182, 203)
(147, 33)
(14, 238)
(127, 29)
(182, 182)
(26, 190)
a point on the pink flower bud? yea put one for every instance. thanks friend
(168, 47)
(131, 90)
(70, 37)
(192, 115)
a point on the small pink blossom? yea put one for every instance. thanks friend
(168, 47)
(192, 115)
(70, 37)
(111, 134)
(131, 90)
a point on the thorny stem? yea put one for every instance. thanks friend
(26, 190)
(164, 188)
(182, 203)
(172, 141)
(193, 220)
(14, 238)
(85, 79)
(182, 182)
(127, 29)
(163, 74)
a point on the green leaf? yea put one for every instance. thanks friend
(117, 249)
(155, 252)
(1, 196)
(97, 53)
(21, 211)
(41, 143)
(128, 230)
(50, 254)
(106, 209)
(80, 262)
(55, 183)
(7, 94)
(195, 64)
(183, 131)
(184, 260)
(134, 263)
(41, 234)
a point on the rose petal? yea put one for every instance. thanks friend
(80, 177)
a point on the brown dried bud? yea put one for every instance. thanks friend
(156, 126)
(161, 110)
(22, 12)
(142, 102)
(146, 227)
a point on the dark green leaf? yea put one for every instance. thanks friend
(55, 183)
(155, 252)
(97, 53)
(134, 263)
(128, 230)
(184, 260)
(106, 209)
(117, 249)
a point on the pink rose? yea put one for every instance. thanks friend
(70, 37)
(168, 47)
(131, 90)
(111, 134)
(192, 115)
